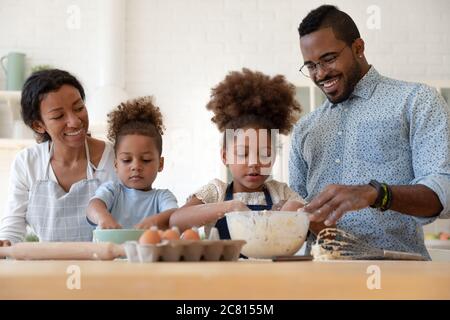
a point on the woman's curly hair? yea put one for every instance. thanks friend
(137, 116)
(253, 98)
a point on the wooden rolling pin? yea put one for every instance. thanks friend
(63, 251)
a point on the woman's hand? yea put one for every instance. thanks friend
(5, 243)
(108, 222)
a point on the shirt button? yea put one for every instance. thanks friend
(339, 133)
(337, 161)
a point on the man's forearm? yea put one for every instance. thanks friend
(335, 200)
(416, 200)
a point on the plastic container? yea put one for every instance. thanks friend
(184, 250)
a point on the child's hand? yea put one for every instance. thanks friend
(292, 205)
(147, 223)
(278, 206)
(5, 243)
(108, 222)
(236, 205)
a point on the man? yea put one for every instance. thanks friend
(374, 159)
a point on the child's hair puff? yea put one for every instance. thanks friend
(248, 97)
(137, 116)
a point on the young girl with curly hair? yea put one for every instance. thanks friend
(135, 128)
(249, 108)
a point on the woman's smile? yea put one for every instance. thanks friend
(74, 133)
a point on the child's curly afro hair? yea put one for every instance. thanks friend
(251, 98)
(137, 116)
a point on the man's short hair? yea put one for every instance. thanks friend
(344, 28)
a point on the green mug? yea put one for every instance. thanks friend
(14, 70)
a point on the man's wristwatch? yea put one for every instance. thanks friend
(384, 198)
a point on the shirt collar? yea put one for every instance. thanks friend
(365, 87)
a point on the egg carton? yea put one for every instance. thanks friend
(184, 250)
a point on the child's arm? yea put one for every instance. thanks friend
(99, 214)
(161, 220)
(195, 213)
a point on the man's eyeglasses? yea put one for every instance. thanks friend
(326, 62)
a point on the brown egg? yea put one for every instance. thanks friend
(171, 234)
(190, 234)
(150, 236)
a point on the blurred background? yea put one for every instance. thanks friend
(177, 50)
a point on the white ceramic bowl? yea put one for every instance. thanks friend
(268, 233)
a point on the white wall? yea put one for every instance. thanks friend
(42, 30)
(178, 49)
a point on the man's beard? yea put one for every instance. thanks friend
(349, 84)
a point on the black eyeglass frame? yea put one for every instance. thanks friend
(323, 64)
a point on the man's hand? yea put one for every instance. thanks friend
(335, 200)
(316, 227)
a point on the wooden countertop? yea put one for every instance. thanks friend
(223, 280)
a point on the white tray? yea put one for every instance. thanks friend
(184, 250)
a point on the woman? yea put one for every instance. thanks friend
(52, 182)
